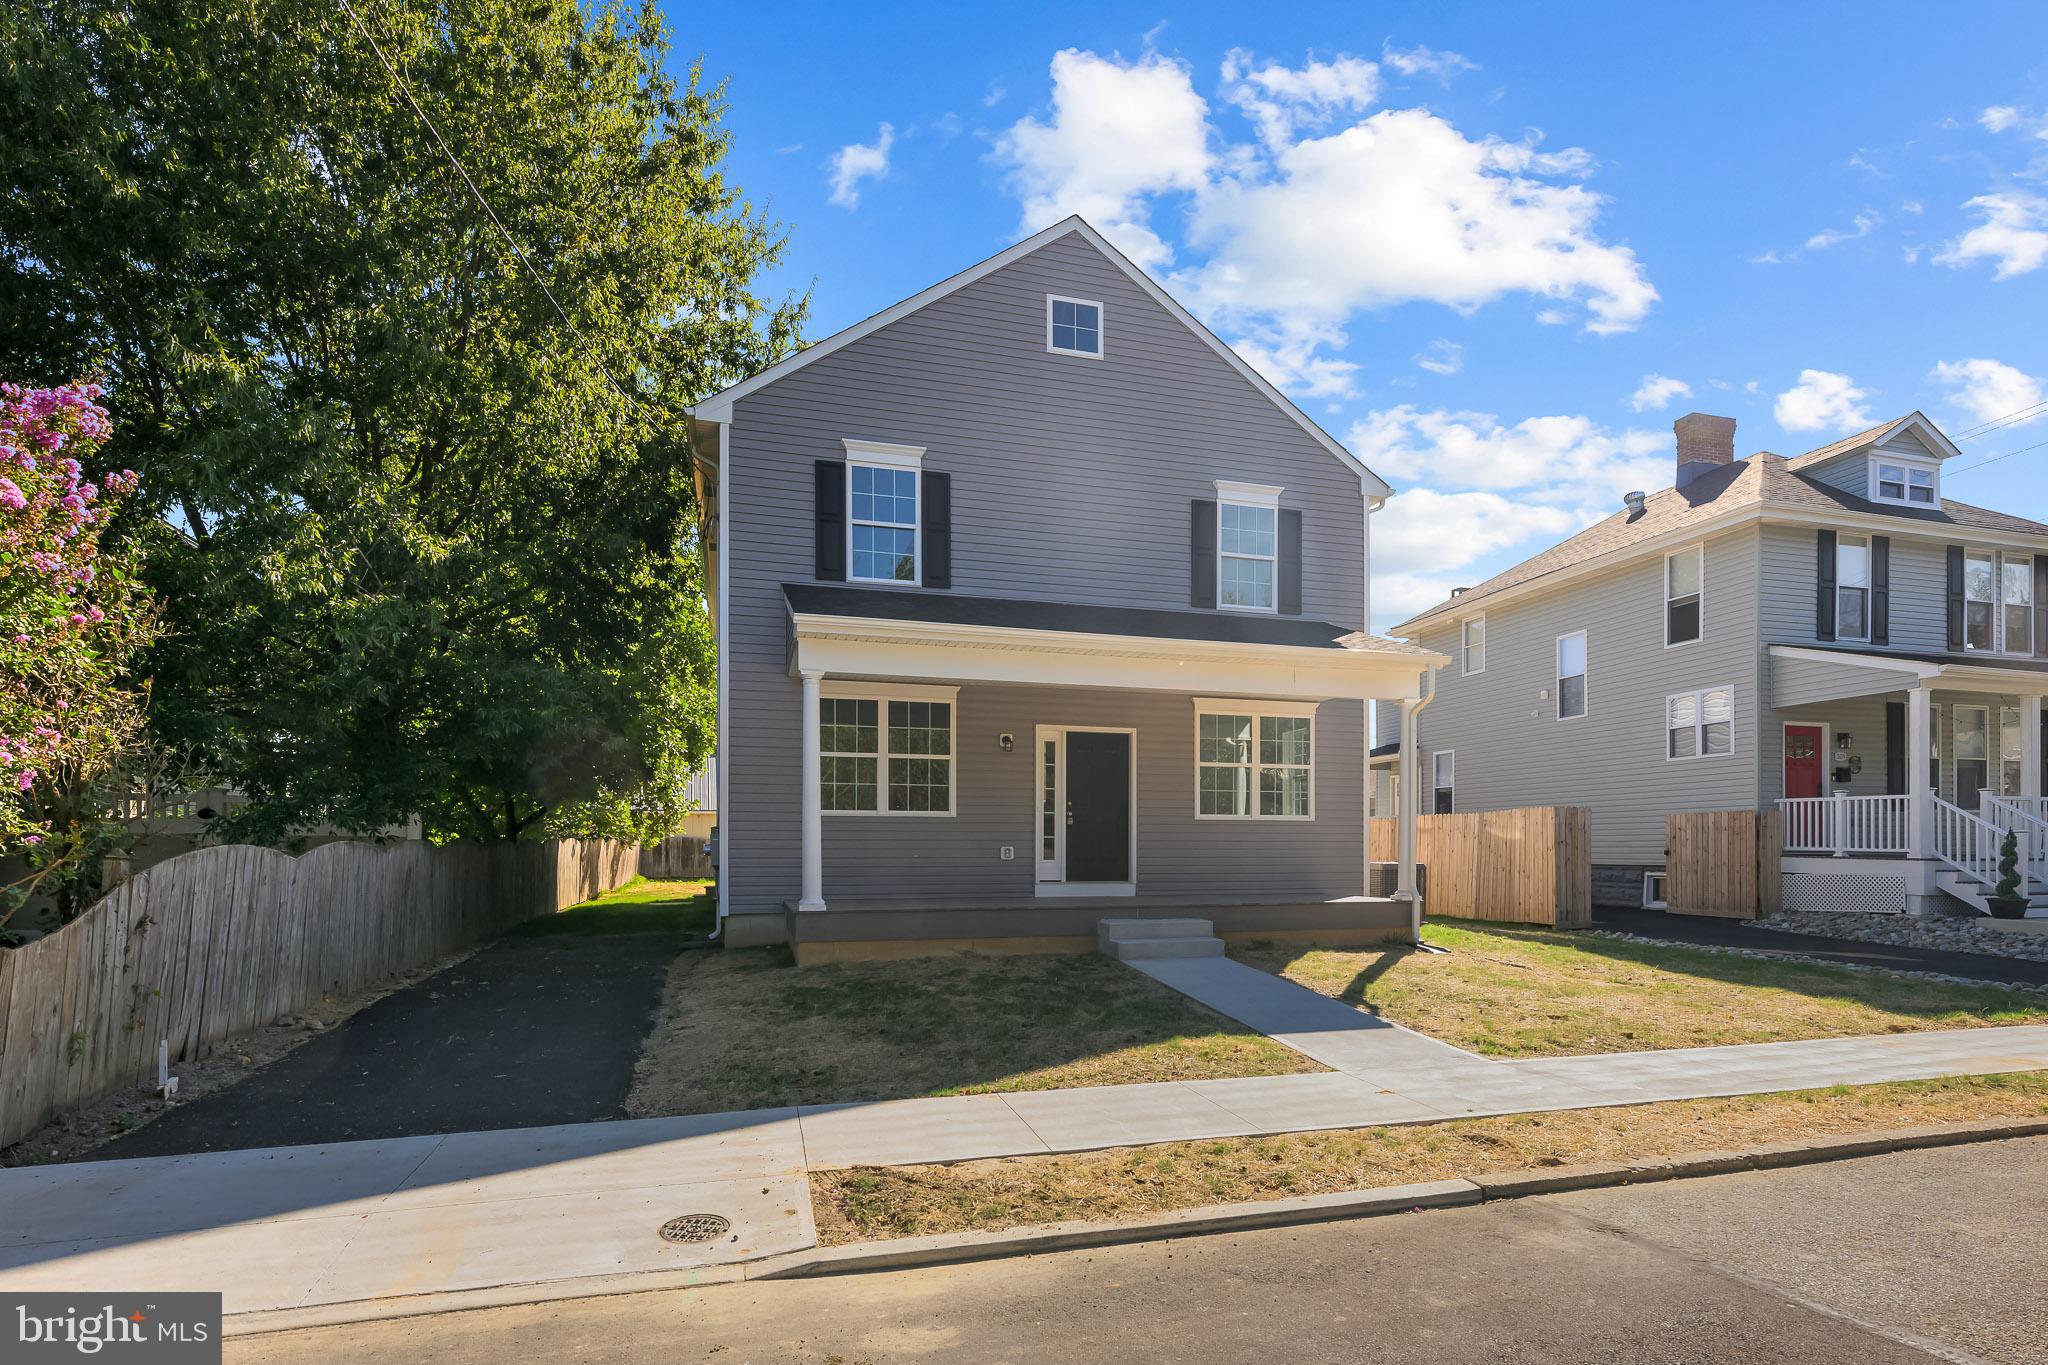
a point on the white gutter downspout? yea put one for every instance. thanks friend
(1406, 889)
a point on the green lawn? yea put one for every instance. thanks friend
(639, 907)
(1516, 992)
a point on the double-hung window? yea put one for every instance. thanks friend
(1911, 484)
(1247, 547)
(1254, 760)
(1700, 724)
(887, 754)
(1073, 327)
(1682, 573)
(1980, 597)
(2016, 591)
(883, 547)
(1571, 675)
(1443, 781)
(1852, 588)
(1474, 645)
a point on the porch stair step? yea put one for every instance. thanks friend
(1132, 940)
(1978, 896)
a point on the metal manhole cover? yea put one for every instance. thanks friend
(695, 1227)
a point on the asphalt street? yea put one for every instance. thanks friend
(1917, 1256)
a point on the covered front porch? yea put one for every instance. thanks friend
(1001, 774)
(1928, 760)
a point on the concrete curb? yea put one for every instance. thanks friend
(957, 1248)
(951, 1248)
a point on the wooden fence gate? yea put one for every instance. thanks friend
(1723, 862)
(1529, 865)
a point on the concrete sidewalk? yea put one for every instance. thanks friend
(302, 1227)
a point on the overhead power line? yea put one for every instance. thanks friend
(2010, 419)
(1995, 459)
(405, 92)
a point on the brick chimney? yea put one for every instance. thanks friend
(1704, 442)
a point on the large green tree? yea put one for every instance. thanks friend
(425, 544)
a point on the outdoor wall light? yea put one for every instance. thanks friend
(1006, 742)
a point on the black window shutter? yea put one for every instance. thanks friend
(1290, 563)
(1895, 748)
(1955, 598)
(1202, 553)
(1881, 593)
(2041, 606)
(938, 530)
(828, 503)
(1824, 587)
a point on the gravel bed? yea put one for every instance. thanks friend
(1780, 954)
(1951, 933)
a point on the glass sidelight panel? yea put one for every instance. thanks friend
(1972, 744)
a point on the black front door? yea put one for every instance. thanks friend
(1098, 807)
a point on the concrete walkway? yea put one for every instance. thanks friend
(579, 1206)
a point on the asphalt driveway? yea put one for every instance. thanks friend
(531, 1030)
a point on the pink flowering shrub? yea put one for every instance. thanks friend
(68, 621)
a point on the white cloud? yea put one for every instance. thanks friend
(856, 162)
(1423, 61)
(2014, 233)
(1864, 222)
(994, 96)
(1988, 389)
(1442, 357)
(1822, 400)
(1657, 391)
(1421, 528)
(1999, 117)
(1118, 132)
(1563, 461)
(1290, 360)
(1280, 101)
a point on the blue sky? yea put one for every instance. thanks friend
(1495, 249)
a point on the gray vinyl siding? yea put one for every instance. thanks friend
(1513, 751)
(1071, 480)
(1851, 474)
(1802, 682)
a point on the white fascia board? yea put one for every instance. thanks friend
(1841, 658)
(1977, 678)
(718, 407)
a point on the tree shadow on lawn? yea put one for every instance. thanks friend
(1510, 990)
(744, 1028)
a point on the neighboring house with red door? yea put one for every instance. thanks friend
(1036, 605)
(1825, 634)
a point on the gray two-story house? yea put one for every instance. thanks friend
(1036, 604)
(1827, 635)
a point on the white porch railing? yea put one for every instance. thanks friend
(1845, 825)
(2022, 815)
(1967, 841)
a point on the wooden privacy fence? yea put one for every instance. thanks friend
(221, 941)
(1529, 865)
(1723, 862)
(678, 856)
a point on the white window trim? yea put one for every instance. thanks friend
(884, 455)
(1698, 549)
(1435, 786)
(1869, 565)
(1905, 463)
(1101, 326)
(1955, 758)
(1050, 879)
(1699, 724)
(1998, 559)
(2005, 645)
(1663, 882)
(882, 694)
(1257, 710)
(1465, 669)
(1264, 495)
(1556, 655)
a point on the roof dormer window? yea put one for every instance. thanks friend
(1073, 327)
(1912, 484)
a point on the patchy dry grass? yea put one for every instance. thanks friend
(877, 1202)
(1530, 993)
(744, 1029)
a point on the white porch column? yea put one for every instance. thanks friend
(1919, 741)
(2030, 746)
(814, 817)
(1409, 795)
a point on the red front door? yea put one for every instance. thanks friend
(1803, 757)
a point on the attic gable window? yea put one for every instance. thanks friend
(1913, 485)
(1073, 327)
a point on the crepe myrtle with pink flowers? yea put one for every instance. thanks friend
(70, 617)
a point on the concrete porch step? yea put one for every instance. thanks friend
(1135, 940)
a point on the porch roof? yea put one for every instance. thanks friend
(1801, 674)
(894, 633)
